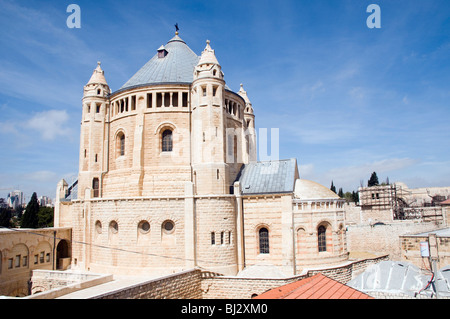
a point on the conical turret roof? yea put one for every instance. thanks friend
(98, 76)
(208, 55)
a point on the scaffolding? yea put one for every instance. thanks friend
(400, 202)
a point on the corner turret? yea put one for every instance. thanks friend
(93, 157)
(249, 119)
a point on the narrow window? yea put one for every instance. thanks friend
(133, 102)
(10, 263)
(159, 99)
(97, 108)
(218, 174)
(99, 91)
(17, 262)
(120, 146)
(204, 90)
(214, 90)
(185, 99)
(321, 238)
(175, 99)
(263, 241)
(25, 261)
(235, 150)
(96, 158)
(229, 237)
(222, 238)
(149, 100)
(167, 141)
(213, 238)
(41, 257)
(95, 187)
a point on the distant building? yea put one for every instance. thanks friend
(15, 199)
(398, 202)
(45, 201)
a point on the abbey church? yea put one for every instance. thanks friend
(169, 180)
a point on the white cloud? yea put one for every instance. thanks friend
(405, 100)
(306, 170)
(50, 124)
(42, 176)
(352, 175)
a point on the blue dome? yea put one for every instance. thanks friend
(174, 63)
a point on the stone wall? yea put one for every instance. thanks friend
(47, 284)
(129, 249)
(410, 250)
(383, 238)
(24, 250)
(184, 285)
(189, 284)
(221, 287)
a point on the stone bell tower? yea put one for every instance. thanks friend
(208, 127)
(93, 138)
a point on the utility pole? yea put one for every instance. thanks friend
(434, 259)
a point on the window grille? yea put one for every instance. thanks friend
(322, 239)
(122, 145)
(167, 141)
(263, 241)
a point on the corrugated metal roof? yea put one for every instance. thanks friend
(443, 232)
(176, 67)
(269, 177)
(318, 286)
(401, 278)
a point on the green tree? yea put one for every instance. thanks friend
(341, 193)
(5, 217)
(30, 217)
(355, 196)
(333, 188)
(373, 181)
(45, 217)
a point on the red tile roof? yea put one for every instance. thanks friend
(445, 202)
(315, 287)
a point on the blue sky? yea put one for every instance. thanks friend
(348, 100)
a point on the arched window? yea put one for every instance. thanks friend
(167, 141)
(322, 238)
(120, 144)
(263, 241)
